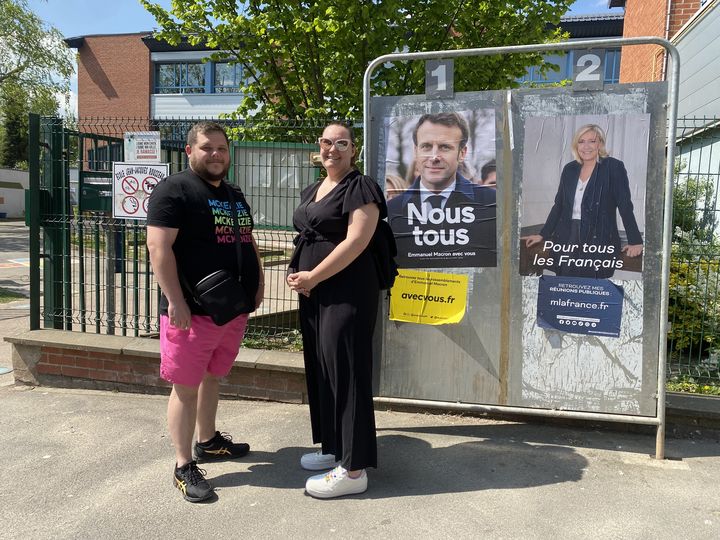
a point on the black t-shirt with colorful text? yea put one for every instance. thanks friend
(206, 238)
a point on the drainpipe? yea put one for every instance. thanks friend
(667, 36)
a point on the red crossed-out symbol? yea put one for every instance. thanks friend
(130, 205)
(130, 185)
(149, 184)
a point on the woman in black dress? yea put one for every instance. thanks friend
(334, 272)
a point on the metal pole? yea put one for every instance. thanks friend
(501, 409)
(667, 236)
(110, 256)
(33, 221)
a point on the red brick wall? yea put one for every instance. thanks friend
(114, 77)
(643, 63)
(680, 13)
(98, 366)
(72, 368)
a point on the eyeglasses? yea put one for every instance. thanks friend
(341, 145)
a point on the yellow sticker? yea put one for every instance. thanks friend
(428, 297)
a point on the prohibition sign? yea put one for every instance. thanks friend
(149, 184)
(130, 185)
(130, 204)
(145, 204)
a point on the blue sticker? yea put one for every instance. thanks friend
(580, 305)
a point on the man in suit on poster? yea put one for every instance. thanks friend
(443, 219)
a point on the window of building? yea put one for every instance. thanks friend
(228, 78)
(565, 62)
(180, 78)
(612, 66)
(101, 157)
(198, 78)
(534, 75)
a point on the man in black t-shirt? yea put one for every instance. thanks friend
(190, 234)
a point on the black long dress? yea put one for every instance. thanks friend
(337, 322)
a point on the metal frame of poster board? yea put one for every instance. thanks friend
(369, 160)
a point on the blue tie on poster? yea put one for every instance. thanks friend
(580, 305)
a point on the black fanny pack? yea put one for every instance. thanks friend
(223, 297)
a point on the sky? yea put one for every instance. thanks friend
(86, 17)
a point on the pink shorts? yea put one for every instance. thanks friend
(186, 355)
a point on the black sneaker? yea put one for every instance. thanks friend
(220, 447)
(190, 480)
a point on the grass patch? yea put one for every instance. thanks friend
(7, 295)
(688, 385)
(291, 342)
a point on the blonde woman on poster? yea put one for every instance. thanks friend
(580, 233)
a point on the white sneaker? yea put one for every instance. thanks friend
(335, 483)
(317, 461)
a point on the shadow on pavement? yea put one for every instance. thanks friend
(600, 439)
(409, 466)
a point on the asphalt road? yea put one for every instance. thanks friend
(14, 276)
(85, 464)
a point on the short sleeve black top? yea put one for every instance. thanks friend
(322, 225)
(206, 238)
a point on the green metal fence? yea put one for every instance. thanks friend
(694, 295)
(96, 276)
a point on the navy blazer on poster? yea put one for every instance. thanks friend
(482, 231)
(607, 192)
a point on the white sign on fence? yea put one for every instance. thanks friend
(142, 147)
(132, 185)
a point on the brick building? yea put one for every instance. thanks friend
(137, 76)
(115, 75)
(661, 18)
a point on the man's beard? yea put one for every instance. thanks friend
(202, 171)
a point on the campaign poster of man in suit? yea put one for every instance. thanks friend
(442, 214)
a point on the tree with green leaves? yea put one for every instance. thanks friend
(35, 65)
(306, 59)
(33, 54)
(15, 106)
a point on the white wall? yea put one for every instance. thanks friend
(169, 106)
(13, 184)
(698, 43)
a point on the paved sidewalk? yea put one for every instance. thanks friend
(86, 464)
(14, 276)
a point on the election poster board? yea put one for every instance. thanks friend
(578, 332)
(437, 349)
(589, 172)
(132, 185)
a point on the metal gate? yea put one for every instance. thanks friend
(90, 272)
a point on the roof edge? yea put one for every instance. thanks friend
(78, 41)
